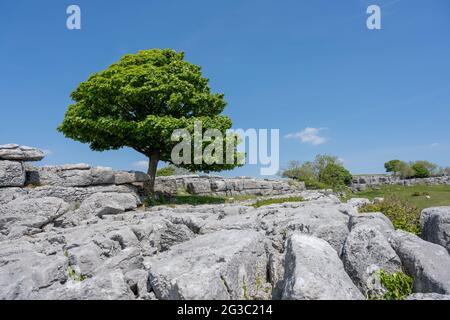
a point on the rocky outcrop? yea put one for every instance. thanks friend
(435, 223)
(76, 232)
(14, 152)
(362, 182)
(219, 186)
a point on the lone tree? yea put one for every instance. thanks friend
(140, 101)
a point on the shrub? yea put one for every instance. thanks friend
(420, 170)
(324, 172)
(393, 166)
(165, 172)
(335, 175)
(403, 215)
(398, 285)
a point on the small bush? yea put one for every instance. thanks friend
(266, 202)
(75, 275)
(165, 172)
(398, 285)
(403, 215)
(420, 171)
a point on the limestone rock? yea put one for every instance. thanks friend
(24, 216)
(313, 271)
(428, 296)
(426, 262)
(365, 252)
(222, 265)
(20, 153)
(435, 224)
(12, 174)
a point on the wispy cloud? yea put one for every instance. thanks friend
(308, 135)
(435, 145)
(143, 164)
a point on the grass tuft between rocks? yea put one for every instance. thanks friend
(266, 202)
(398, 286)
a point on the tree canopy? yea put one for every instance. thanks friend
(140, 101)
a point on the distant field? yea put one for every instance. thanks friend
(416, 195)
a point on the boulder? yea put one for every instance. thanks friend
(100, 204)
(12, 174)
(365, 252)
(426, 262)
(435, 223)
(313, 271)
(222, 265)
(20, 153)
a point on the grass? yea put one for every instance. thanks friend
(184, 199)
(420, 196)
(266, 202)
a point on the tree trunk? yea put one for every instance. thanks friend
(152, 167)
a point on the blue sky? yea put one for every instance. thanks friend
(367, 95)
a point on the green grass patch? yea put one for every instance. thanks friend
(420, 196)
(266, 202)
(194, 200)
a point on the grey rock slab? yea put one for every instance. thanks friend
(100, 204)
(12, 174)
(24, 271)
(20, 153)
(313, 271)
(374, 219)
(365, 252)
(221, 265)
(30, 214)
(435, 223)
(426, 262)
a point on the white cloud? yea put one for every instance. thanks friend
(434, 145)
(308, 135)
(143, 164)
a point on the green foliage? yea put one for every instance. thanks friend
(335, 175)
(393, 166)
(159, 199)
(420, 170)
(166, 171)
(75, 275)
(403, 215)
(398, 285)
(266, 202)
(139, 101)
(324, 172)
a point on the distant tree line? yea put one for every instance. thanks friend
(323, 172)
(417, 169)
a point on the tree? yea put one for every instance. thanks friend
(420, 170)
(325, 171)
(432, 168)
(335, 175)
(140, 101)
(393, 166)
